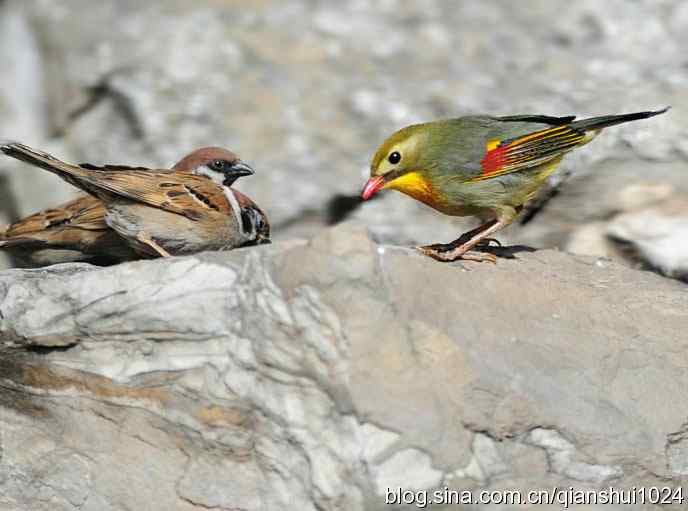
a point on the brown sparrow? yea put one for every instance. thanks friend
(156, 212)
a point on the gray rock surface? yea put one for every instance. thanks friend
(644, 226)
(313, 375)
(657, 235)
(306, 90)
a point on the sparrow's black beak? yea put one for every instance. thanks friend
(237, 170)
(241, 169)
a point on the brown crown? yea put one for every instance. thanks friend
(203, 156)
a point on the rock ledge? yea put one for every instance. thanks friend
(314, 375)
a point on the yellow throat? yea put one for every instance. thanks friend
(414, 185)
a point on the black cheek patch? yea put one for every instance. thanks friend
(246, 221)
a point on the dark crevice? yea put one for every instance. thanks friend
(47, 350)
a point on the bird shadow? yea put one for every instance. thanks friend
(341, 206)
(507, 252)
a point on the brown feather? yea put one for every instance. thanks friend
(161, 189)
(85, 212)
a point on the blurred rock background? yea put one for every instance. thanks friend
(306, 90)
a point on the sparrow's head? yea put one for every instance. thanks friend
(220, 165)
(254, 222)
(401, 163)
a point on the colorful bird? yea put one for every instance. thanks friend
(480, 165)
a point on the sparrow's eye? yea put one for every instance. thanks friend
(218, 165)
(394, 158)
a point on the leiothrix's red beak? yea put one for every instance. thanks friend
(372, 186)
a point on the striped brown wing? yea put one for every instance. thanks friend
(187, 195)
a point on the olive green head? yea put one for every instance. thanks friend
(402, 152)
(403, 161)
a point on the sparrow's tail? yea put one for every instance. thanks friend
(33, 156)
(70, 173)
(596, 123)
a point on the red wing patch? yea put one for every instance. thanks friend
(494, 159)
(514, 154)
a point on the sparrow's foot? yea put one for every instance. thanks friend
(448, 255)
(145, 238)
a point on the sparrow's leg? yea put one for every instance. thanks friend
(145, 238)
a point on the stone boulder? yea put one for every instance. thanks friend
(315, 375)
